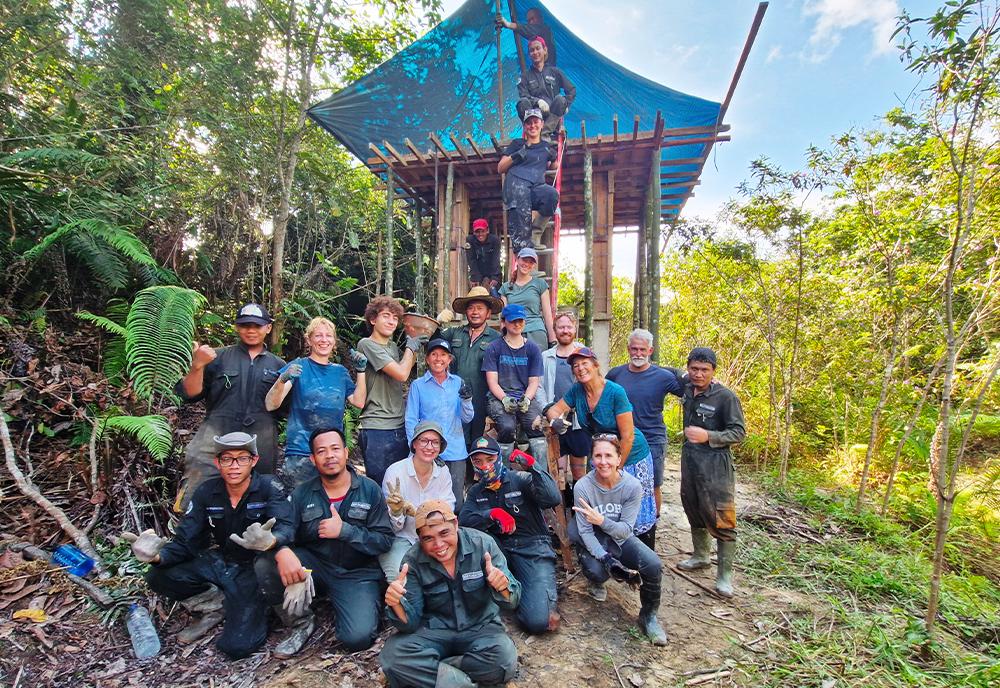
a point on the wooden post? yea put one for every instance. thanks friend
(588, 234)
(638, 297)
(653, 256)
(449, 192)
(517, 43)
(417, 225)
(500, 107)
(390, 258)
(559, 524)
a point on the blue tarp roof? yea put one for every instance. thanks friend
(446, 82)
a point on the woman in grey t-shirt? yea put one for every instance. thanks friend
(607, 502)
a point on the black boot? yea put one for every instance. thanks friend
(649, 597)
(649, 538)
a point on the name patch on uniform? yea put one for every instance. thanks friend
(482, 499)
(472, 575)
(215, 508)
(361, 505)
(705, 406)
(256, 505)
(512, 494)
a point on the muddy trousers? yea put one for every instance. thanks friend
(357, 604)
(245, 627)
(486, 653)
(520, 198)
(708, 489)
(507, 423)
(534, 565)
(632, 553)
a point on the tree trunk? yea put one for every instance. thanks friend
(877, 413)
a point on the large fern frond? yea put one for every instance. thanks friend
(153, 432)
(114, 351)
(102, 322)
(68, 159)
(101, 260)
(159, 332)
(122, 240)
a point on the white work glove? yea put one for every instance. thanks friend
(509, 404)
(298, 596)
(445, 316)
(146, 546)
(524, 404)
(256, 537)
(543, 106)
(396, 503)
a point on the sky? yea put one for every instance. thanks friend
(817, 69)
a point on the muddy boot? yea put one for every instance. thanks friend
(702, 551)
(724, 574)
(300, 628)
(450, 676)
(649, 597)
(539, 448)
(209, 605)
(649, 538)
(505, 450)
(598, 591)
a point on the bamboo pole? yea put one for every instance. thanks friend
(417, 225)
(588, 233)
(500, 107)
(653, 258)
(449, 194)
(638, 297)
(390, 238)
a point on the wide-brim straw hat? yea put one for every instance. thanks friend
(477, 294)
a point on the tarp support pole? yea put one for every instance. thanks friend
(517, 43)
(588, 234)
(390, 258)
(500, 107)
(417, 225)
(449, 194)
(638, 298)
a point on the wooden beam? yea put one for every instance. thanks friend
(742, 61)
(458, 146)
(702, 139)
(683, 185)
(635, 128)
(468, 137)
(588, 242)
(437, 143)
(416, 153)
(683, 161)
(378, 154)
(496, 144)
(689, 131)
(614, 126)
(394, 153)
(583, 134)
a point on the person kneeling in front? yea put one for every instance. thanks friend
(341, 526)
(446, 604)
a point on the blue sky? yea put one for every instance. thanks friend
(817, 69)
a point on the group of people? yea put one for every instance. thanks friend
(406, 541)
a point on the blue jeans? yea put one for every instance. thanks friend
(632, 553)
(381, 449)
(534, 565)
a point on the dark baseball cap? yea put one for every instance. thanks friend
(485, 445)
(253, 314)
(438, 344)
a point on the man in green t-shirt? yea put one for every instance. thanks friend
(383, 435)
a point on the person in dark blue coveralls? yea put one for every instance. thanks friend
(543, 86)
(341, 526)
(209, 565)
(524, 190)
(446, 604)
(508, 505)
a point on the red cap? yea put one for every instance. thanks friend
(481, 222)
(540, 40)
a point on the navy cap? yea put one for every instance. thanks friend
(512, 312)
(438, 344)
(582, 352)
(253, 314)
(485, 445)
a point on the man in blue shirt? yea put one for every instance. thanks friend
(647, 386)
(442, 397)
(513, 367)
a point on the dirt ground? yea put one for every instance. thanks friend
(598, 645)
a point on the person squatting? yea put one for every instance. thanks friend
(421, 551)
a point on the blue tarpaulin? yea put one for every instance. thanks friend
(446, 82)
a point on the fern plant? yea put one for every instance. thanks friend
(159, 331)
(113, 364)
(153, 432)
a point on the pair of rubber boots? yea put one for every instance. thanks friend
(702, 558)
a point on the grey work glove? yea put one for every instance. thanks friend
(256, 537)
(465, 392)
(560, 425)
(524, 404)
(619, 571)
(146, 545)
(358, 360)
(397, 503)
(414, 343)
(543, 106)
(298, 596)
(292, 372)
(509, 404)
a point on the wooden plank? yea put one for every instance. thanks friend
(416, 153)
(614, 126)
(394, 153)
(635, 128)
(496, 144)
(695, 141)
(437, 144)
(683, 161)
(468, 137)
(683, 185)
(378, 154)
(458, 146)
(583, 134)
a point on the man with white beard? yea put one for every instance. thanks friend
(647, 385)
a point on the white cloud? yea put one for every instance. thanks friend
(773, 54)
(833, 17)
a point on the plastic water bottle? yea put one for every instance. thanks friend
(73, 560)
(145, 641)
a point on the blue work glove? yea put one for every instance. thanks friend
(518, 156)
(292, 372)
(358, 360)
(560, 425)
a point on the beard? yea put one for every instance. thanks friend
(639, 361)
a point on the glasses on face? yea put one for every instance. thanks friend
(242, 460)
(429, 442)
(606, 436)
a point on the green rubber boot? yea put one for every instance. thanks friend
(450, 676)
(724, 576)
(702, 557)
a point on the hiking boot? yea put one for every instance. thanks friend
(650, 625)
(598, 591)
(449, 676)
(300, 630)
(702, 551)
(724, 574)
(197, 628)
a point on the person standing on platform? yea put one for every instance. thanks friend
(319, 392)
(444, 398)
(713, 422)
(233, 382)
(513, 366)
(482, 251)
(524, 162)
(556, 381)
(531, 292)
(383, 432)
(532, 26)
(647, 385)
(468, 346)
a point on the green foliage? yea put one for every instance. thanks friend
(154, 432)
(159, 334)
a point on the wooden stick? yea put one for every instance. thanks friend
(707, 677)
(562, 532)
(692, 581)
